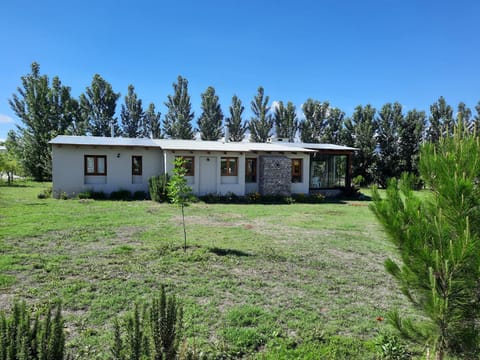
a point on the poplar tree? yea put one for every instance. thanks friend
(411, 131)
(441, 120)
(475, 125)
(151, 123)
(261, 124)
(98, 105)
(332, 133)
(132, 115)
(438, 240)
(235, 124)
(364, 129)
(177, 121)
(286, 123)
(312, 127)
(388, 139)
(45, 111)
(210, 121)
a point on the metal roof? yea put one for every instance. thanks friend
(199, 145)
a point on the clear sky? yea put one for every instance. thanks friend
(348, 52)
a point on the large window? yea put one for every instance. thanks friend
(95, 165)
(229, 166)
(296, 170)
(189, 165)
(137, 165)
(328, 171)
(250, 170)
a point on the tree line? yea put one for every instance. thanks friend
(388, 140)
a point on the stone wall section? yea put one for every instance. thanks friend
(275, 175)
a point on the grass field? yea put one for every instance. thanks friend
(257, 281)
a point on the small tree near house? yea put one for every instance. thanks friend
(179, 192)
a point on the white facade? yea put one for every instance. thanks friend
(86, 163)
(68, 168)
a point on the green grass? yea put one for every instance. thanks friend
(257, 281)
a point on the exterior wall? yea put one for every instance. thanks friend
(68, 168)
(219, 184)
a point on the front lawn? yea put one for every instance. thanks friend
(282, 281)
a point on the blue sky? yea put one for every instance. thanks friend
(347, 52)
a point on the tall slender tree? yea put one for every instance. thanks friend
(210, 121)
(151, 123)
(388, 139)
(177, 121)
(261, 124)
(286, 123)
(98, 105)
(475, 124)
(363, 120)
(132, 115)
(235, 124)
(441, 120)
(334, 126)
(45, 112)
(312, 127)
(411, 132)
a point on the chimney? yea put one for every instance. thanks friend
(227, 134)
(112, 130)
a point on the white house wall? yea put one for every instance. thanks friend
(68, 165)
(233, 184)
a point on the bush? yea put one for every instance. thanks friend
(46, 193)
(124, 195)
(26, 337)
(98, 195)
(157, 186)
(153, 333)
(85, 195)
(140, 195)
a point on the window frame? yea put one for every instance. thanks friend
(95, 165)
(251, 177)
(297, 176)
(139, 171)
(190, 171)
(227, 160)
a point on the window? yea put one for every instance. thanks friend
(137, 165)
(189, 165)
(95, 165)
(296, 170)
(250, 170)
(229, 166)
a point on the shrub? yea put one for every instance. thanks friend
(140, 195)
(153, 333)
(85, 195)
(124, 195)
(26, 337)
(157, 186)
(98, 195)
(46, 193)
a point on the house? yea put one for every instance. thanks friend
(81, 163)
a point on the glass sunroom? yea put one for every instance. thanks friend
(329, 170)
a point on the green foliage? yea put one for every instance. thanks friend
(364, 129)
(150, 332)
(179, 192)
(312, 127)
(98, 107)
(121, 194)
(140, 195)
(235, 124)
(157, 187)
(177, 121)
(210, 121)
(392, 348)
(441, 120)
(132, 115)
(46, 110)
(46, 193)
(151, 122)
(261, 123)
(333, 130)
(25, 337)
(438, 239)
(410, 139)
(286, 123)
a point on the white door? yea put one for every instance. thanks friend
(208, 175)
